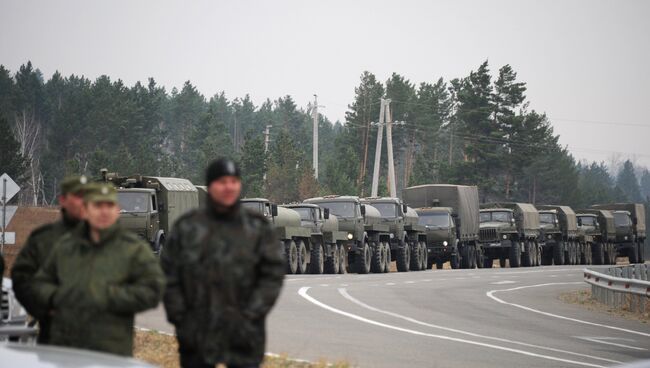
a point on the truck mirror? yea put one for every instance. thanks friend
(274, 210)
(457, 221)
(161, 206)
(326, 214)
(363, 210)
(634, 221)
(405, 208)
(579, 222)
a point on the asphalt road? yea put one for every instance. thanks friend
(446, 318)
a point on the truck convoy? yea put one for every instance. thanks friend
(450, 215)
(559, 237)
(150, 205)
(629, 219)
(407, 237)
(597, 229)
(510, 231)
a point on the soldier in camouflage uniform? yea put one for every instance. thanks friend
(97, 278)
(224, 271)
(39, 245)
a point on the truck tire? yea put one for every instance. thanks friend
(159, 245)
(362, 259)
(515, 254)
(633, 253)
(424, 260)
(488, 262)
(598, 254)
(479, 257)
(303, 264)
(527, 259)
(547, 256)
(378, 258)
(587, 257)
(576, 253)
(558, 253)
(614, 253)
(642, 252)
(466, 257)
(343, 260)
(317, 261)
(414, 264)
(332, 262)
(502, 262)
(291, 255)
(388, 257)
(403, 258)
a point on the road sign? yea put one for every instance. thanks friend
(11, 211)
(10, 238)
(8, 184)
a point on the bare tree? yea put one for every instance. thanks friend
(27, 131)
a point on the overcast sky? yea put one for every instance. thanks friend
(586, 63)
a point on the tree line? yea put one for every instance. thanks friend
(474, 130)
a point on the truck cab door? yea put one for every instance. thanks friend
(155, 216)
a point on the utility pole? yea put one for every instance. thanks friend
(389, 147)
(267, 134)
(380, 137)
(314, 115)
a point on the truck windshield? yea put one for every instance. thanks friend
(433, 219)
(133, 201)
(622, 219)
(304, 212)
(495, 216)
(587, 220)
(340, 209)
(547, 218)
(386, 210)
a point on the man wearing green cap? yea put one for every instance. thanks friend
(39, 245)
(97, 278)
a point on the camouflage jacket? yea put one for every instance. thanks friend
(224, 274)
(31, 257)
(93, 290)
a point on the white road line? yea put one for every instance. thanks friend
(409, 282)
(303, 293)
(390, 283)
(604, 340)
(346, 295)
(491, 293)
(503, 282)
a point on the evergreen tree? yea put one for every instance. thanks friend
(628, 183)
(253, 166)
(11, 161)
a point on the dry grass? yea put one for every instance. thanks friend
(162, 350)
(583, 298)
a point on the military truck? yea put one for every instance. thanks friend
(629, 219)
(597, 228)
(510, 231)
(368, 240)
(150, 205)
(326, 239)
(203, 194)
(450, 214)
(405, 232)
(295, 239)
(559, 236)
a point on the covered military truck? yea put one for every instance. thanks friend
(596, 227)
(629, 219)
(407, 237)
(326, 239)
(450, 215)
(150, 205)
(367, 238)
(295, 239)
(559, 237)
(203, 194)
(510, 231)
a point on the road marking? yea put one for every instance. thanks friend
(503, 282)
(325, 285)
(346, 295)
(303, 293)
(409, 282)
(390, 283)
(491, 293)
(603, 340)
(426, 280)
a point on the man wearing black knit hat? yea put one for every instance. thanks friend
(224, 273)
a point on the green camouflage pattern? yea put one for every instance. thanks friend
(224, 274)
(93, 290)
(32, 256)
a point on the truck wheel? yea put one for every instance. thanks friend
(343, 260)
(633, 253)
(576, 253)
(538, 253)
(454, 260)
(569, 258)
(403, 258)
(547, 256)
(332, 261)
(362, 259)
(466, 257)
(388, 257)
(317, 263)
(502, 262)
(586, 257)
(607, 252)
(488, 262)
(291, 255)
(642, 252)
(614, 253)
(558, 253)
(515, 254)
(527, 257)
(378, 258)
(303, 263)
(414, 264)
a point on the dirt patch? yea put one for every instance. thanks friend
(162, 350)
(24, 221)
(583, 298)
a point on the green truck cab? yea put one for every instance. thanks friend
(295, 239)
(150, 205)
(450, 215)
(629, 219)
(326, 239)
(597, 228)
(559, 237)
(407, 238)
(367, 240)
(510, 231)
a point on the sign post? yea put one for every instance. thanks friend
(9, 190)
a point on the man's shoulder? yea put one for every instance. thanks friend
(45, 229)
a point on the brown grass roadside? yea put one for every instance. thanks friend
(583, 299)
(162, 350)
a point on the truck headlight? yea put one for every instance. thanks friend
(549, 236)
(505, 237)
(626, 238)
(350, 236)
(444, 243)
(392, 236)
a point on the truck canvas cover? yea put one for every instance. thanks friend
(176, 195)
(605, 221)
(461, 198)
(567, 217)
(636, 210)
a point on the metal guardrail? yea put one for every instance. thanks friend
(625, 287)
